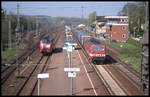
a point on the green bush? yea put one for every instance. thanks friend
(130, 52)
(8, 54)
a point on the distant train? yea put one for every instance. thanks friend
(47, 45)
(96, 50)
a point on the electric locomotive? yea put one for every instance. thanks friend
(95, 49)
(47, 45)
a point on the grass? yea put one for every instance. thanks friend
(130, 52)
(8, 54)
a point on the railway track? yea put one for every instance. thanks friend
(12, 67)
(32, 74)
(125, 83)
(122, 69)
(8, 70)
(27, 75)
(106, 87)
(21, 57)
(43, 69)
(127, 70)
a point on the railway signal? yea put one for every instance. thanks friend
(41, 76)
(70, 47)
(71, 74)
(72, 69)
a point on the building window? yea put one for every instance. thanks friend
(126, 20)
(110, 27)
(123, 28)
(121, 21)
(123, 35)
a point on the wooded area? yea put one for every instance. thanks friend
(137, 15)
(31, 23)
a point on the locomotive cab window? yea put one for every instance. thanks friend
(45, 41)
(98, 48)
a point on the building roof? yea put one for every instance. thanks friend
(100, 18)
(116, 17)
(104, 18)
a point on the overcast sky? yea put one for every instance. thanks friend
(67, 9)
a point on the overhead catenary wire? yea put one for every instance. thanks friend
(23, 8)
(37, 7)
(30, 5)
(45, 7)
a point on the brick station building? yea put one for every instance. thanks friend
(113, 27)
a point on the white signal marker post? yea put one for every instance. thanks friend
(42, 76)
(71, 74)
(71, 71)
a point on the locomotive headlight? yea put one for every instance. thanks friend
(91, 54)
(47, 46)
(42, 45)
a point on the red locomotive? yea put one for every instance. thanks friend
(47, 45)
(96, 50)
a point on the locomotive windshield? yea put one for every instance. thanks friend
(45, 41)
(98, 48)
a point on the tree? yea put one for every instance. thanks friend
(136, 13)
(4, 31)
(92, 17)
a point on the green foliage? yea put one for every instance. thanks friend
(92, 17)
(85, 22)
(8, 54)
(136, 13)
(4, 31)
(130, 52)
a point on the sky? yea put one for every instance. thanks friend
(65, 8)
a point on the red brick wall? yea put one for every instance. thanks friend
(117, 32)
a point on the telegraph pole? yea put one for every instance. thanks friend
(36, 25)
(17, 40)
(82, 11)
(28, 25)
(9, 31)
(145, 56)
(95, 25)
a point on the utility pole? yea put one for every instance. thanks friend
(36, 25)
(22, 29)
(9, 31)
(17, 39)
(82, 11)
(95, 25)
(28, 25)
(145, 56)
(134, 31)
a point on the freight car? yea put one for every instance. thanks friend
(47, 45)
